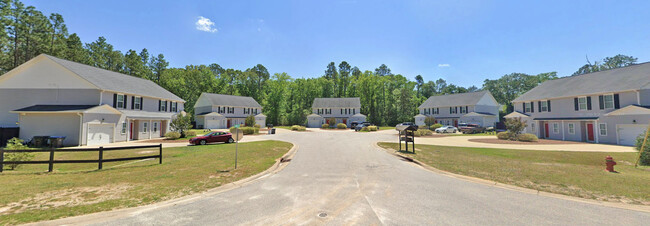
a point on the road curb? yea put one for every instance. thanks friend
(516, 188)
(99, 217)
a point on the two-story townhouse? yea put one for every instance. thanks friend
(476, 108)
(343, 110)
(48, 96)
(608, 106)
(221, 111)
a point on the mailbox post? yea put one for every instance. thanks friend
(406, 134)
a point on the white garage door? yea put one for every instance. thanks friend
(314, 123)
(212, 124)
(627, 134)
(99, 134)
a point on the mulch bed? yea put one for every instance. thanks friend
(540, 141)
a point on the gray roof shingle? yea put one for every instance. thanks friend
(347, 102)
(55, 108)
(633, 77)
(230, 100)
(459, 99)
(116, 82)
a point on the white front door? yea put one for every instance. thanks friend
(628, 133)
(99, 134)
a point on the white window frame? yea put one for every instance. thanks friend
(572, 128)
(556, 128)
(580, 104)
(120, 104)
(611, 101)
(163, 106)
(543, 106)
(600, 129)
(528, 107)
(155, 127)
(532, 127)
(137, 102)
(145, 127)
(123, 131)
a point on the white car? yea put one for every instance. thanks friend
(447, 129)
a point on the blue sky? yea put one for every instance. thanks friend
(463, 42)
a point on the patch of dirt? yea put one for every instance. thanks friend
(146, 152)
(540, 141)
(66, 197)
(158, 141)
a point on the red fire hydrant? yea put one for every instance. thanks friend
(609, 161)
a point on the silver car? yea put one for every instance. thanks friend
(447, 129)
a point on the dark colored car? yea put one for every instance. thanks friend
(408, 124)
(213, 137)
(353, 124)
(362, 125)
(471, 128)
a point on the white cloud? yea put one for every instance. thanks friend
(205, 24)
(444, 65)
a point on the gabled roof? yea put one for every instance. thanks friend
(516, 114)
(116, 82)
(477, 114)
(460, 99)
(209, 113)
(347, 102)
(419, 115)
(633, 77)
(229, 100)
(630, 110)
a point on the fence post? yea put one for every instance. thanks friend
(101, 157)
(160, 154)
(2, 159)
(51, 163)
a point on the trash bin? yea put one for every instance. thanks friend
(272, 130)
(56, 141)
(40, 141)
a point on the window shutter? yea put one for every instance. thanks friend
(548, 102)
(532, 106)
(167, 105)
(601, 102)
(575, 102)
(450, 110)
(114, 100)
(341, 110)
(125, 98)
(159, 104)
(141, 102)
(617, 104)
(588, 103)
(466, 109)
(539, 106)
(456, 110)
(132, 102)
(523, 106)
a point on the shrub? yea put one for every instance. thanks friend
(527, 137)
(365, 129)
(190, 133)
(257, 126)
(325, 126)
(429, 120)
(247, 130)
(645, 154)
(181, 124)
(422, 132)
(173, 135)
(515, 126)
(332, 122)
(250, 121)
(503, 135)
(17, 144)
(372, 128)
(298, 128)
(435, 126)
(341, 126)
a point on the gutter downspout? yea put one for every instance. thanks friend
(562, 130)
(638, 97)
(81, 125)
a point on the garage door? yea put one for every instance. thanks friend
(212, 124)
(627, 134)
(314, 123)
(99, 134)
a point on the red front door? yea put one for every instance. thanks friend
(546, 130)
(345, 121)
(131, 131)
(455, 123)
(327, 121)
(590, 132)
(229, 123)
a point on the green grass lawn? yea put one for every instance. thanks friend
(471, 134)
(580, 174)
(386, 128)
(31, 194)
(282, 127)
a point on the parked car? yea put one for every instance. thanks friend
(353, 124)
(362, 125)
(447, 129)
(212, 137)
(408, 124)
(471, 128)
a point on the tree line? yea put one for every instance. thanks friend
(386, 98)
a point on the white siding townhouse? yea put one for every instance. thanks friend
(608, 106)
(48, 96)
(343, 110)
(220, 111)
(475, 108)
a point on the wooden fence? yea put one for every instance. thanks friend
(100, 160)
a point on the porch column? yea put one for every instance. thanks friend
(149, 129)
(562, 130)
(596, 130)
(128, 130)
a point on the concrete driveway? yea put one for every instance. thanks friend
(340, 178)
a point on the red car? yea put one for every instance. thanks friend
(213, 137)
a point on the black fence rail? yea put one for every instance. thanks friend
(100, 160)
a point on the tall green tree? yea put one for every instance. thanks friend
(607, 63)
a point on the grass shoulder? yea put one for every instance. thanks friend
(29, 194)
(579, 174)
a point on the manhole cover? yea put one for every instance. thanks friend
(322, 215)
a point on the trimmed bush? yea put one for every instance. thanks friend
(257, 126)
(503, 135)
(435, 126)
(365, 129)
(247, 130)
(325, 126)
(298, 128)
(173, 135)
(372, 128)
(422, 132)
(190, 133)
(527, 137)
(645, 155)
(249, 121)
(341, 126)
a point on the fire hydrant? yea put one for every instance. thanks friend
(609, 161)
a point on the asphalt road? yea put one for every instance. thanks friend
(345, 179)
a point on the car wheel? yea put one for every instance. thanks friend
(202, 142)
(455, 131)
(230, 140)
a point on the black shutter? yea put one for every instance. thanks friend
(539, 106)
(141, 103)
(114, 100)
(167, 105)
(588, 103)
(132, 102)
(466, 109)
(532, 106)
(548, 102)
(601, 102)
(617, 104)
(523, 107)
(159, 104)
(450, 110)
(125, 98)
(575, 102)
(456, 110)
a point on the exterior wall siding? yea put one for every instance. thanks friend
(336, 112)
(13, 99)
(51, 125)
